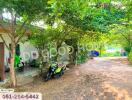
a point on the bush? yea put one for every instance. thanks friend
(130, 56)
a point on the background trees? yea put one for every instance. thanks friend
(122, 30)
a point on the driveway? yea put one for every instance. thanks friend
(98, 79)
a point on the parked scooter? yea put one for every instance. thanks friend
(55, 71)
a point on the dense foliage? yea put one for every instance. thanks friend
(75, 22)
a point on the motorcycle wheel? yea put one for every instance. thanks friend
(48, 77)
(57, 76)
(62, 72)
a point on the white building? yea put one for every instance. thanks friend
(25, 49)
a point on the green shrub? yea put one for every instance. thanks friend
(130, 56)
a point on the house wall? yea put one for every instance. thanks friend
(26, 50)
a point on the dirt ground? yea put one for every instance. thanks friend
(97, 79)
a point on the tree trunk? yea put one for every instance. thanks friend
(12, 66)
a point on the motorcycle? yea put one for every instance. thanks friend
(55, 71)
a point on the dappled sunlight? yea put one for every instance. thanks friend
(94, 80)
(67, 49)
(119, 94)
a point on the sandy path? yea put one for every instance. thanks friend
(97, 79)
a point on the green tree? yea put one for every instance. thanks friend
(22, 14)
(122, 30)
